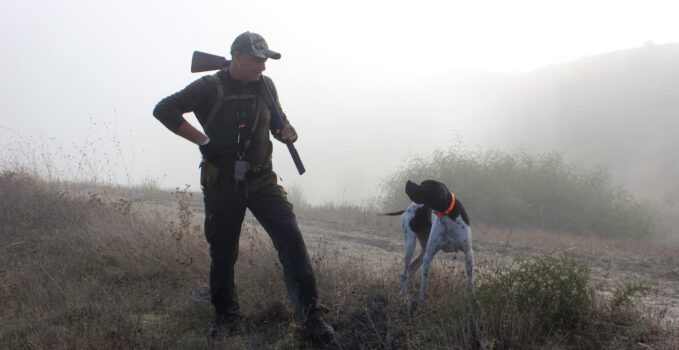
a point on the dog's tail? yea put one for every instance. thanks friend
(393, 213)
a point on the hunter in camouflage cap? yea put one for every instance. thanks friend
(253, 44)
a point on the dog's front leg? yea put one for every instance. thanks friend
(470, 268)
(469, 254)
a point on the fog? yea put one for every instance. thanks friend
(366, 84)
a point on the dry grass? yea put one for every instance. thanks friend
(89, 273)
(86, 270)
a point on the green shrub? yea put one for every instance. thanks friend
(537, 303)
(524, 306)
(527, 191)
(551, 291)
(623, 294)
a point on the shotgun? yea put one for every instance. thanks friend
(202, 62)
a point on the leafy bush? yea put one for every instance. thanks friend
(541, 302)
(521, 307)
(552, 292)
(623, 294)
(527, 191)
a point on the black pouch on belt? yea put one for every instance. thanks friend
(208, 174)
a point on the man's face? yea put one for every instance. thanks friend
(246, 67)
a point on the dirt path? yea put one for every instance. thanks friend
(612, 263)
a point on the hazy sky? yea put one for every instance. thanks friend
(356, 77)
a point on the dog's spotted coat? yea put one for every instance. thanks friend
(450, 233)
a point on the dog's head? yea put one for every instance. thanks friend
(431, 193)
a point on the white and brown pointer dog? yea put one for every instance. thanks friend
(438, 220)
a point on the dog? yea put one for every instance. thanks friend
(438, 220)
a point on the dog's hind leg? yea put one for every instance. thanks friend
(410, 250)
(417, 263)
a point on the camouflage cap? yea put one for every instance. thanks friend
(253, 44)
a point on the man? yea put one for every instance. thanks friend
(236, 174)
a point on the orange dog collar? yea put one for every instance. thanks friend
(450, 208)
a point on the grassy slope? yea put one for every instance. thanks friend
(91, 272)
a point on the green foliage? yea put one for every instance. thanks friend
(552, 292)
(536, 303)
(623, 294)
(527, 191)
(110, 259)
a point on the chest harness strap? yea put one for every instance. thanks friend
(241, 113)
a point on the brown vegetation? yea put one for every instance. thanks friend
(96, 271)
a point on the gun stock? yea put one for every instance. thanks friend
(203, 62)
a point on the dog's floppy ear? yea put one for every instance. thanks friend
(414, 192)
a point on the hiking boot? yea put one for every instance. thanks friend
(318, 331)
(224, 326)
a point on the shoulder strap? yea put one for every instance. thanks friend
(254, 126)
(262, 94)
(218, 101)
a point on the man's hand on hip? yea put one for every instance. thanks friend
(208, 151)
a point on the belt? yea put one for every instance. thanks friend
(259, 169)
(227, 160)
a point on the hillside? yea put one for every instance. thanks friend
(616, 110)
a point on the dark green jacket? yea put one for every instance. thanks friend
(199, 98)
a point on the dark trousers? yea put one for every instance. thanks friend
(225, 205)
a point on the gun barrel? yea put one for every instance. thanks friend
(278, 119)
(202, 62)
